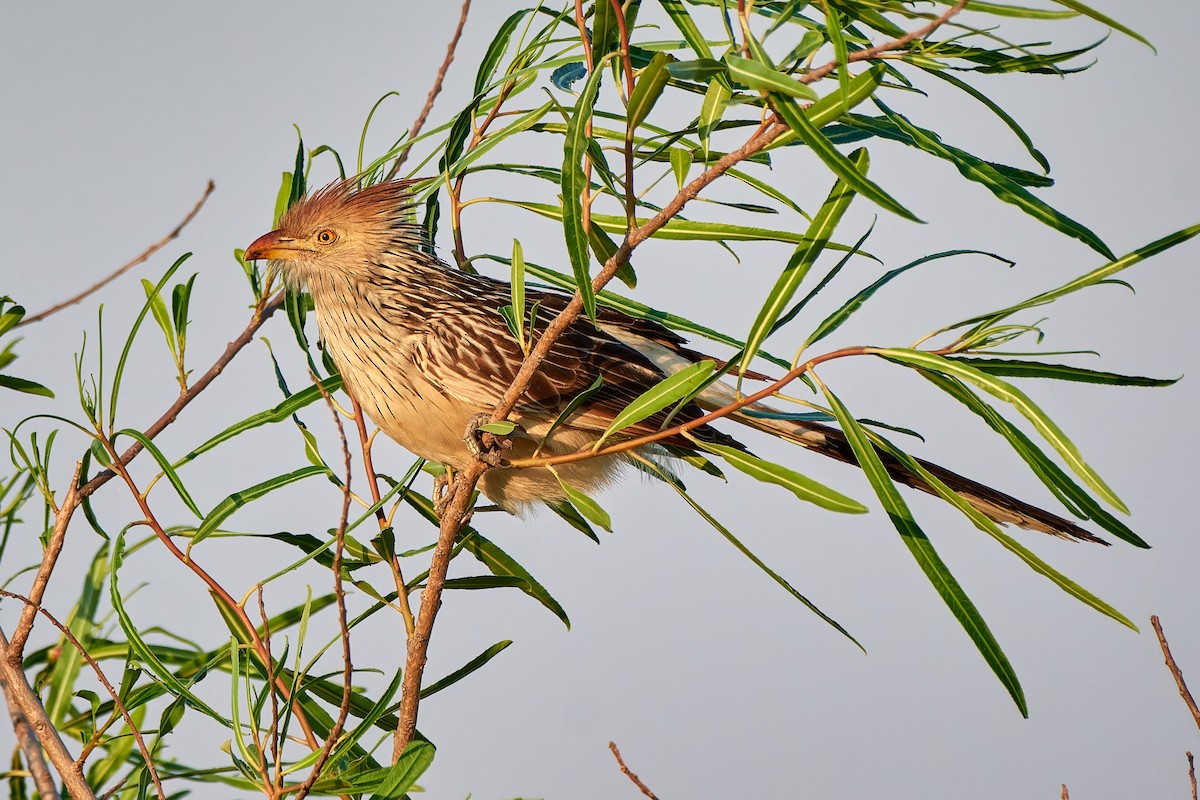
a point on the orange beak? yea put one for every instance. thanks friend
(274, 246)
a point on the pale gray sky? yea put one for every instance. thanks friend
(711, 679)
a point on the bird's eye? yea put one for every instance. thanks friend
(326, 237)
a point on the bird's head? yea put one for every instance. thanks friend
(341, 229)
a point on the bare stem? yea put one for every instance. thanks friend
(628, 773)
(1176, 672)
(145, 254)
(434, 91)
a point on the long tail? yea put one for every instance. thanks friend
(994, 504)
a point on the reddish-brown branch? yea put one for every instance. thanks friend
(220, 594)
(100, 676)
(62, 518)
(434, 91)
(149, 251)
(1176, 672)
(1192, 773)
(20, 695)
(628, 773)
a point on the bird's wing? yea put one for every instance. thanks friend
(475, 359)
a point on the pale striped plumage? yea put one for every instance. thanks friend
(424, 349)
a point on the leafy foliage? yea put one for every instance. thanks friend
(637, 125)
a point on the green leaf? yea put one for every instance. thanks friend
(687, 26)
(1012, 545)
(1088, 11)
(181, 297)
(501, 563)
(573, 518)
(711, 111)
(279, 413)
(799, 122)
(1051, 475)
(1015, 368)
(802, 486)
(233, 502)
(745, 551)
(681, 162)
(815, 239)
(766, 78)
(502, 428)
(466, 669)
(837, 318)
(589, 508)
(670, 390)
(997, 183)
(403, 775)
(517, 290)
(922, 550)
(164, 465)
(647, 90)
(574, 183)
(22, 385)
(1009, 394)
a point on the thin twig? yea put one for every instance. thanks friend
(1065, 794)
(365, 442)
(629, 773)
(1176, 672)
(21, 696)
(149, 251)
(74, 642)
(1192, 773)
(338, 592)
(62, 518)
(434, 91)
(261, 315)
(219, 592)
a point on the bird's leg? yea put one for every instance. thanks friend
(441, 491)
(485, 446)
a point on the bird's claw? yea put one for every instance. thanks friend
(485, 446)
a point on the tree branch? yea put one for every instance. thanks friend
(149, 251)
(1176, 672)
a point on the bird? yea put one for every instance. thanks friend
(425, 350)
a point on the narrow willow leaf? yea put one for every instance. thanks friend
(403, 775)
(681, 162)
(1012, 545)
(833, 107)
(466, 669)
(1016, 368)
(279, 413)
(158, 308)
(592, 511)
(833, 27)
(230, 504)
(835, 320)
(687, 26)
(1088, 11)
(1098, 275)
(711, 111)
(478, 582)
(647, 90)
(841, 166)
(759, 76)
(1050, 474)
(574, 183)
(758, 562)
(518, 293)
(1004, 188)
(138, 647)
(1020, 12)
(573, 518)
(181, 297)
(1010, 394)
(499, 562)
(496, 50)
(700, 69)
(670, 390)
(133, 331)
(1004, 116)
(815, 240)
(604, 248)
(572, 406)
(922, 550)
(802, 486)
(22, 385)
(521, 124)
(163, 464)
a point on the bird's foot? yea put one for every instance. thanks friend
(484, 445)
(441, 492)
